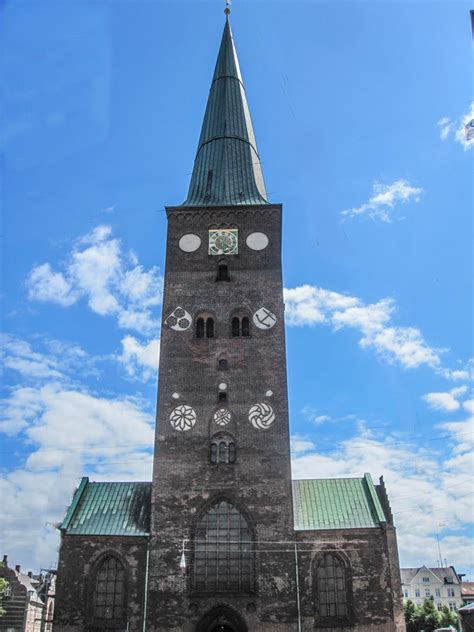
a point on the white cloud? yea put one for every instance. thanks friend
(48, 286)
(300, 445)
(384, 199)
(309, 305)
(424, 488)
(445, 401)
(66, 433)
(457, 129)
(113, 283)
(140, 359)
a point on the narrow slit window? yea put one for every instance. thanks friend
(223, 272)
(245, 327)
(235, 327)
(210, 328)
(222, 452)
(200, 328)
(232, 453)
(213, 456)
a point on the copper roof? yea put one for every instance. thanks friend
(227, 166)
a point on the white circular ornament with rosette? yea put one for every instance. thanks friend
(261, 416)
(264, 318)
(189, 242)
(222, 416)
(257, 241)
(179, 319)
(182, 418)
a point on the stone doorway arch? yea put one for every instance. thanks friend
(222, 619)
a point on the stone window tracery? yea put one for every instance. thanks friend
(109, 590)
(223, 550)
(332, 595)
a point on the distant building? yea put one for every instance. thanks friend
(28, 600)
(441, 585)
(467, 592)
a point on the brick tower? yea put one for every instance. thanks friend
(221, 500)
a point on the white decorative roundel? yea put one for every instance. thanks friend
(179, 319)
(257, 241)
(175, 395)
(261, 416)
(189, 242)
(269, 393)
(222, 386)
(222, 416)
(183, 418)
(264, 318)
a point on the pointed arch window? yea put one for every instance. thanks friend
(223, 551)
(109, 590)
(332, 588)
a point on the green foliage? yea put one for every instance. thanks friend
(426, 618)
(3, 585)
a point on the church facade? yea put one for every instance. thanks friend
(222, 539)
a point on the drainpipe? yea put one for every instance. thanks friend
(145, 601)
(297, 587)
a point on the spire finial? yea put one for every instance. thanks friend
(227, 8)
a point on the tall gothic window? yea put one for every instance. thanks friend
(223, 553)
(331, 588)
(109, 590)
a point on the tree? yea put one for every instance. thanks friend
(430, 616)
(3, 585)
(448, 617)
(412, 614)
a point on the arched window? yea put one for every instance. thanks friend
(331, 588)
(109, 590)
(222, 271)
(223, 449)
(223, 552)
(240, 326)
(205, 327)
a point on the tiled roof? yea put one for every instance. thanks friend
(227, 166)
(338, 503)
(109, 509)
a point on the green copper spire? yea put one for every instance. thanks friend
(227, 166)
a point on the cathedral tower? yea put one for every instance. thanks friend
(221, 500)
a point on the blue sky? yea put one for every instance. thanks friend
(359, 111)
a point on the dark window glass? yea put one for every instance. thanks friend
(200, 328)
(245, 326)
(222, 272)
(109, 593)
(210, 328)
(222, 452)
(223, 364)
(232, 453)
(331, 587)
(222, 396)
(213, 452)
(223, 552)
(235, 327)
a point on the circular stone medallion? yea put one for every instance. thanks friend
(189, 242)
(222, 416)
(257, 241)
(261, 416)
(183, 418)
(264, 318)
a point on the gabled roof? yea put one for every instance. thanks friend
(109, 509)
(227, 168)
(439, 574)
(338, 503)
